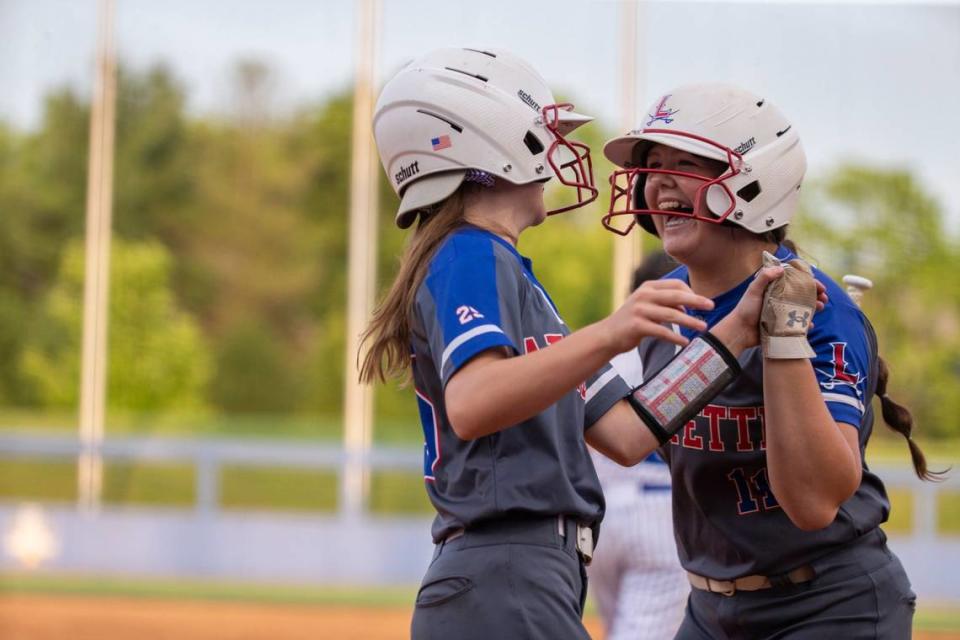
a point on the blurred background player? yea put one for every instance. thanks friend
(636, 579)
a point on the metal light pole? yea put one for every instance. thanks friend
(627, 251)
(97, 270)
(361, 278)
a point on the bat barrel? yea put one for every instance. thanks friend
(856, 285)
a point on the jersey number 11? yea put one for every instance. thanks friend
(753, 492)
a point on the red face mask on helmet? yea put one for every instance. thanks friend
(569, 160)
(627, 198)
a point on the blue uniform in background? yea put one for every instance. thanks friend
(504, 558)
(728, 523)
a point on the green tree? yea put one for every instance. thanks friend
(226, 196)
(258, 378)
(323, 144)
(154, 163)
(43, 194)
(42, 186)
(880, 223)
(156, 358)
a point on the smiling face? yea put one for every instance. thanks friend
(682, 236)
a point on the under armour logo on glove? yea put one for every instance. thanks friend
(788, 306)
(794, 319)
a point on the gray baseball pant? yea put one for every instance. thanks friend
(515, 579)
(860, 592)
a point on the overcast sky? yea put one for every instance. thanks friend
(870, 82)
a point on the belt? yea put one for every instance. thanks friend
(799, 575)
(510, 530)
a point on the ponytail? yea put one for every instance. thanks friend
(900, 420)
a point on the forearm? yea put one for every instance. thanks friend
(811, 465)
(495, 392)
(622, 436)
(733, 336)
(663, 404)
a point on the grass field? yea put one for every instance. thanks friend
(261, 488)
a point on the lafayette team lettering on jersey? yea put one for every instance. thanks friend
(480, 294)
(727, 520)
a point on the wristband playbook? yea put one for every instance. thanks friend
(685, 385)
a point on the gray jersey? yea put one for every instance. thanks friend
(480, 294)
(727, 521)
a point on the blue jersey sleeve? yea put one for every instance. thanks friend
(843, 354)
(468, 303)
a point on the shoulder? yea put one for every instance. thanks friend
(840, 312)
(470, 267)
(470, 246)
(840, 315)
(835, 291)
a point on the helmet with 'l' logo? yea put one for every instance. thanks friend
(765, 163)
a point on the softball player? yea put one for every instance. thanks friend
(776, 514)
(636, 579)
(507, 394)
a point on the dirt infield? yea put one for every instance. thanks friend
(36, 617)
(41, 617)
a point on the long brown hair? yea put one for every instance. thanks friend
(389, 331)
(897, 416)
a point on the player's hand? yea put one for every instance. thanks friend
(740, 329)
(645, 312)
(787, 314)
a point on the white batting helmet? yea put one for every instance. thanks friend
(765, 161)
(456, 110)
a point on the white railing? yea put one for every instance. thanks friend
(209, 455)
(209, 540)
